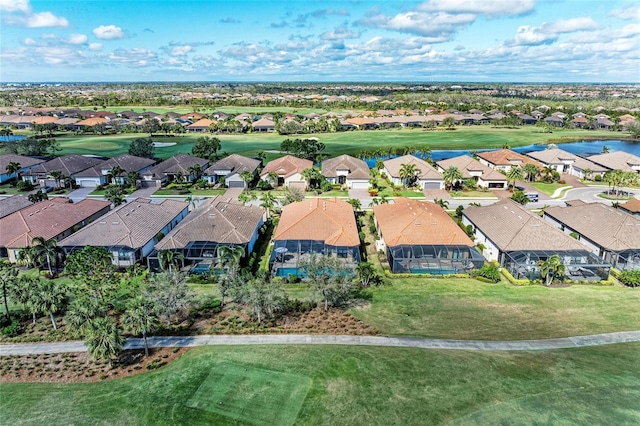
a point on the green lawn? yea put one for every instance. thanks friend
(196, 192)
(548, 188)
(470, 309)
(285, 385)
(472, 194)
(467, 137)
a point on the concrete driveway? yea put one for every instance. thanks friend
(80, 194)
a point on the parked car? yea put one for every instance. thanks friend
(46, 189)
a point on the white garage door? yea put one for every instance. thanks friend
(432, 185)
(87, 183)
(235, 183)
(360, 185)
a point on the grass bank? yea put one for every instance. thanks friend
(265, 385)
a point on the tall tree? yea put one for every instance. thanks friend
(58, 176)
(170, 259)
(48, 253)
(515, 174)
(13, 168)
(104, 339)
(268, 202)
(229, 258)
(92, 267)
(531, 171)
(114, 172)
(115, 194)
(8, 280)
(328, 279)
(170, 292)
(141, 317)
(451, 176)
(206, 147)
(195, 171)
(551, 269)
(82, 311)
(51, 298)
(408, 174)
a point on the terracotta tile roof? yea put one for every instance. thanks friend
(467, 165)
(132, 225)
(506, 157)
(13, 204)
(215, 221)
(426, 170)
(287, 166)
(415, 222)
(512, 227)
(46, 219)
(356, 167)
(633, 205)
(234, 162)
(602, 224)
(92, 121)
(44, 120)
(24, 161)
(67, 164)
(203, 122)
(328, 220)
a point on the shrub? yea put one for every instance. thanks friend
(562, 182)
(12, 329)
(24, 186)
(490, 272)
(598, 178)
(628, 278)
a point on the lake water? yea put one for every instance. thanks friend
(12, 138)
(583, 148)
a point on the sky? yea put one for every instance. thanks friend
(320, 41)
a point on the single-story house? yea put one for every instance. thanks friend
(565, 162)
(288, 169)
(208, 227)
(427, 177)
(97, 175)
(166, 171)
(200, 126)
(314, 227)
(131, 231)
(264, 125)
(346, 170)
(69, 165)
(421, 238)
(518, 239)
(13, 204)
(485, 176)
(610, 234)
(230, 169)
(26, 164)
(632, 207)
(50, 219)
(504, 159)
(90, 122)
(617, 160)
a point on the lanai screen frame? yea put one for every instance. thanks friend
(433, 259)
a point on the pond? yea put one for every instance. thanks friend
(12, 138)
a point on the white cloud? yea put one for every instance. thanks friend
(77, 39)
(15, 6)
(44, 20)
(340, 33)
(95, 46)
(628, 13)
(134, 58)
(549, 32)
(180, 50)
(108, 32)
(488, 8)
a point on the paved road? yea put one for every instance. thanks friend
(310, 339)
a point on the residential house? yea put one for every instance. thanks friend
(427, 177)
(565, 162)
(485, 176)
(90, 122)
(289, 171)
(213, 224)
(97, 175)
(314, 227)
(504, 159)
(26, 164)
(421, 238)
(131, 231)
(230, 168)
(610, 234)
(519, 239)
(346, 170)
(631, 207)
(618, 160)
(178, 165)
(264, 125)
(200, 126)
(13, 204)
(69, 165)
(50, 219)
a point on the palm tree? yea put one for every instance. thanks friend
(105, 340)
(132, 177)
(531, 171)
(268, 202)
(551, 268)
(114, 172)
(383, 199)
(141, 317)
(514, 174)
(195, 171)
(605, 149)
(115, 195)
(169, 259)
(25, 292)
(587, 173)
(12, 168)
(229, 257)
(273, 177)
(82, 311)
(47, 250)
(51, 296)
(178, 177)
(58, 176)
(246, 177)
(442, 203)
(451, 176)
(408, 173)
(36, 197)
(355, 203)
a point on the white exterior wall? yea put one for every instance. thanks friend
(254, 237)
(590, 245)
(296, 177)
(358, 183)
(491, 251)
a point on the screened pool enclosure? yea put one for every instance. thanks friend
(199, 256)
(287, 255)
(580, 265)
(433, 259)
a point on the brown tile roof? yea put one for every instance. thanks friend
(287, 166)
(357, 168)
(203, 122)
(506, 157)
(177, 163)
(426, 170)
(234, 162)
(415, 222)
(92, 121)
(46, 219)
(602, 224)
(24, 161)
(467, 165)
(129, 163)
(67, 164)
(132, 225)
(13, 204)
(328, 220)
(512, 227)
(263, 122)
(44, 120)
(633, 205)
(216, 221)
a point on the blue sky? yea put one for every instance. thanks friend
(432, 40)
